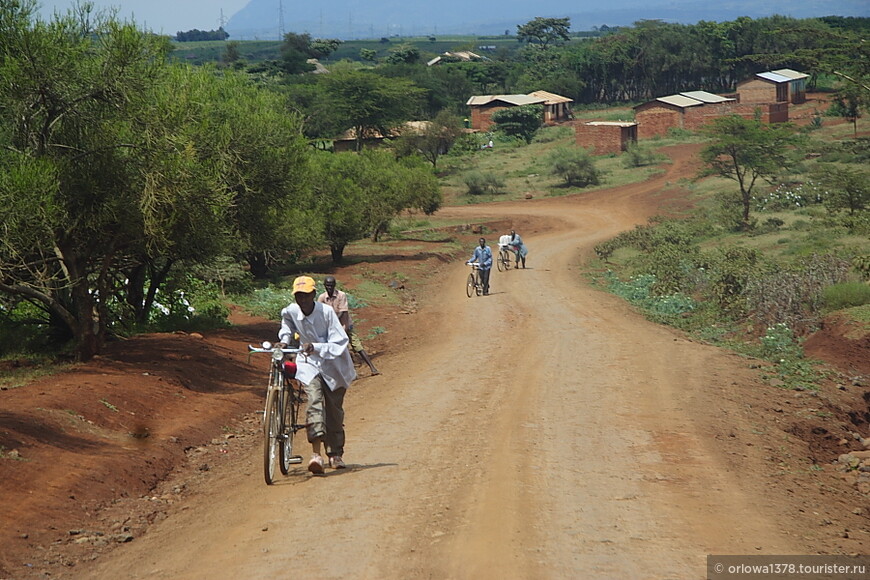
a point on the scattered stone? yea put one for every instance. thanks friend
(204, 467)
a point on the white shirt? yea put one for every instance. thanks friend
(331, 357)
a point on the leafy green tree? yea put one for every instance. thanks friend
(522, 122)
(368, 54)
(544, 31)
(117, 165)
(357, 195)
(295, 52)
(404, 53)
(323, 47)
(368, 103)
(746, 151)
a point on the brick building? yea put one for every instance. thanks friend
(797, 85)
(483, 107)
(605, 137)
(687, 111)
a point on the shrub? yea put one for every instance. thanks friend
(639, 156)
(575, 166)
(729, 273)
(846, 295)
(481, 182)
(794, 296)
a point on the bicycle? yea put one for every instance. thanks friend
(473, 284)
(284, 399)
(504, 259)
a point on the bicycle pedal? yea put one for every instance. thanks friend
(295, 459)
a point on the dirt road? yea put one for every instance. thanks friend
(544, 431)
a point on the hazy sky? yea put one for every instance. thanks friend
(166, 16)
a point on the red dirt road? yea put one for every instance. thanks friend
(544, 431)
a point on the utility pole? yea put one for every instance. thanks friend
(280, 19)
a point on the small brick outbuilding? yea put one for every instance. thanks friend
(605, 137)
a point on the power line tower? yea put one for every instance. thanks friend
(280, 19)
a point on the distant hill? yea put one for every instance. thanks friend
(353, 19)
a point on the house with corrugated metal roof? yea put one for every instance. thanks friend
(776, 86)
(689, 111)
(484, 106)
(797, 86)
(556, 107)
(456, 56)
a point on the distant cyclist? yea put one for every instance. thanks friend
(519, 249)
(483, 256)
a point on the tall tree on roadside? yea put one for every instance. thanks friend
(115, 165)
(746, 151)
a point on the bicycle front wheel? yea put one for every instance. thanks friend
(291, 411)
(503, 261)
(469, 285)
(271, 433)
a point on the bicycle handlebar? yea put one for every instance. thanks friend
(252, 348)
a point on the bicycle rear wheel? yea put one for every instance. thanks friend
(503, 261)
(271, 433)
(469, 285)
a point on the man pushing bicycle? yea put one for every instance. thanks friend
(326, 370)
(483, 256)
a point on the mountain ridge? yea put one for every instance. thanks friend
(356, 19)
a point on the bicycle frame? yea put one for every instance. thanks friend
(280, 415)
(473, 285)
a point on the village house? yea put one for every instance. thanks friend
(605, 137)
(556, 107)
(779, 86)
(689, 111)
(483, 107)
(347, 140)
(458, 56)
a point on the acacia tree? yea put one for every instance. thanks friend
(544, 31)
(368, 103)
(745, 151)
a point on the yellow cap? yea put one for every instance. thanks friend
(304, 284)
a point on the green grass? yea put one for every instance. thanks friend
(525, 172)
(20, 370)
